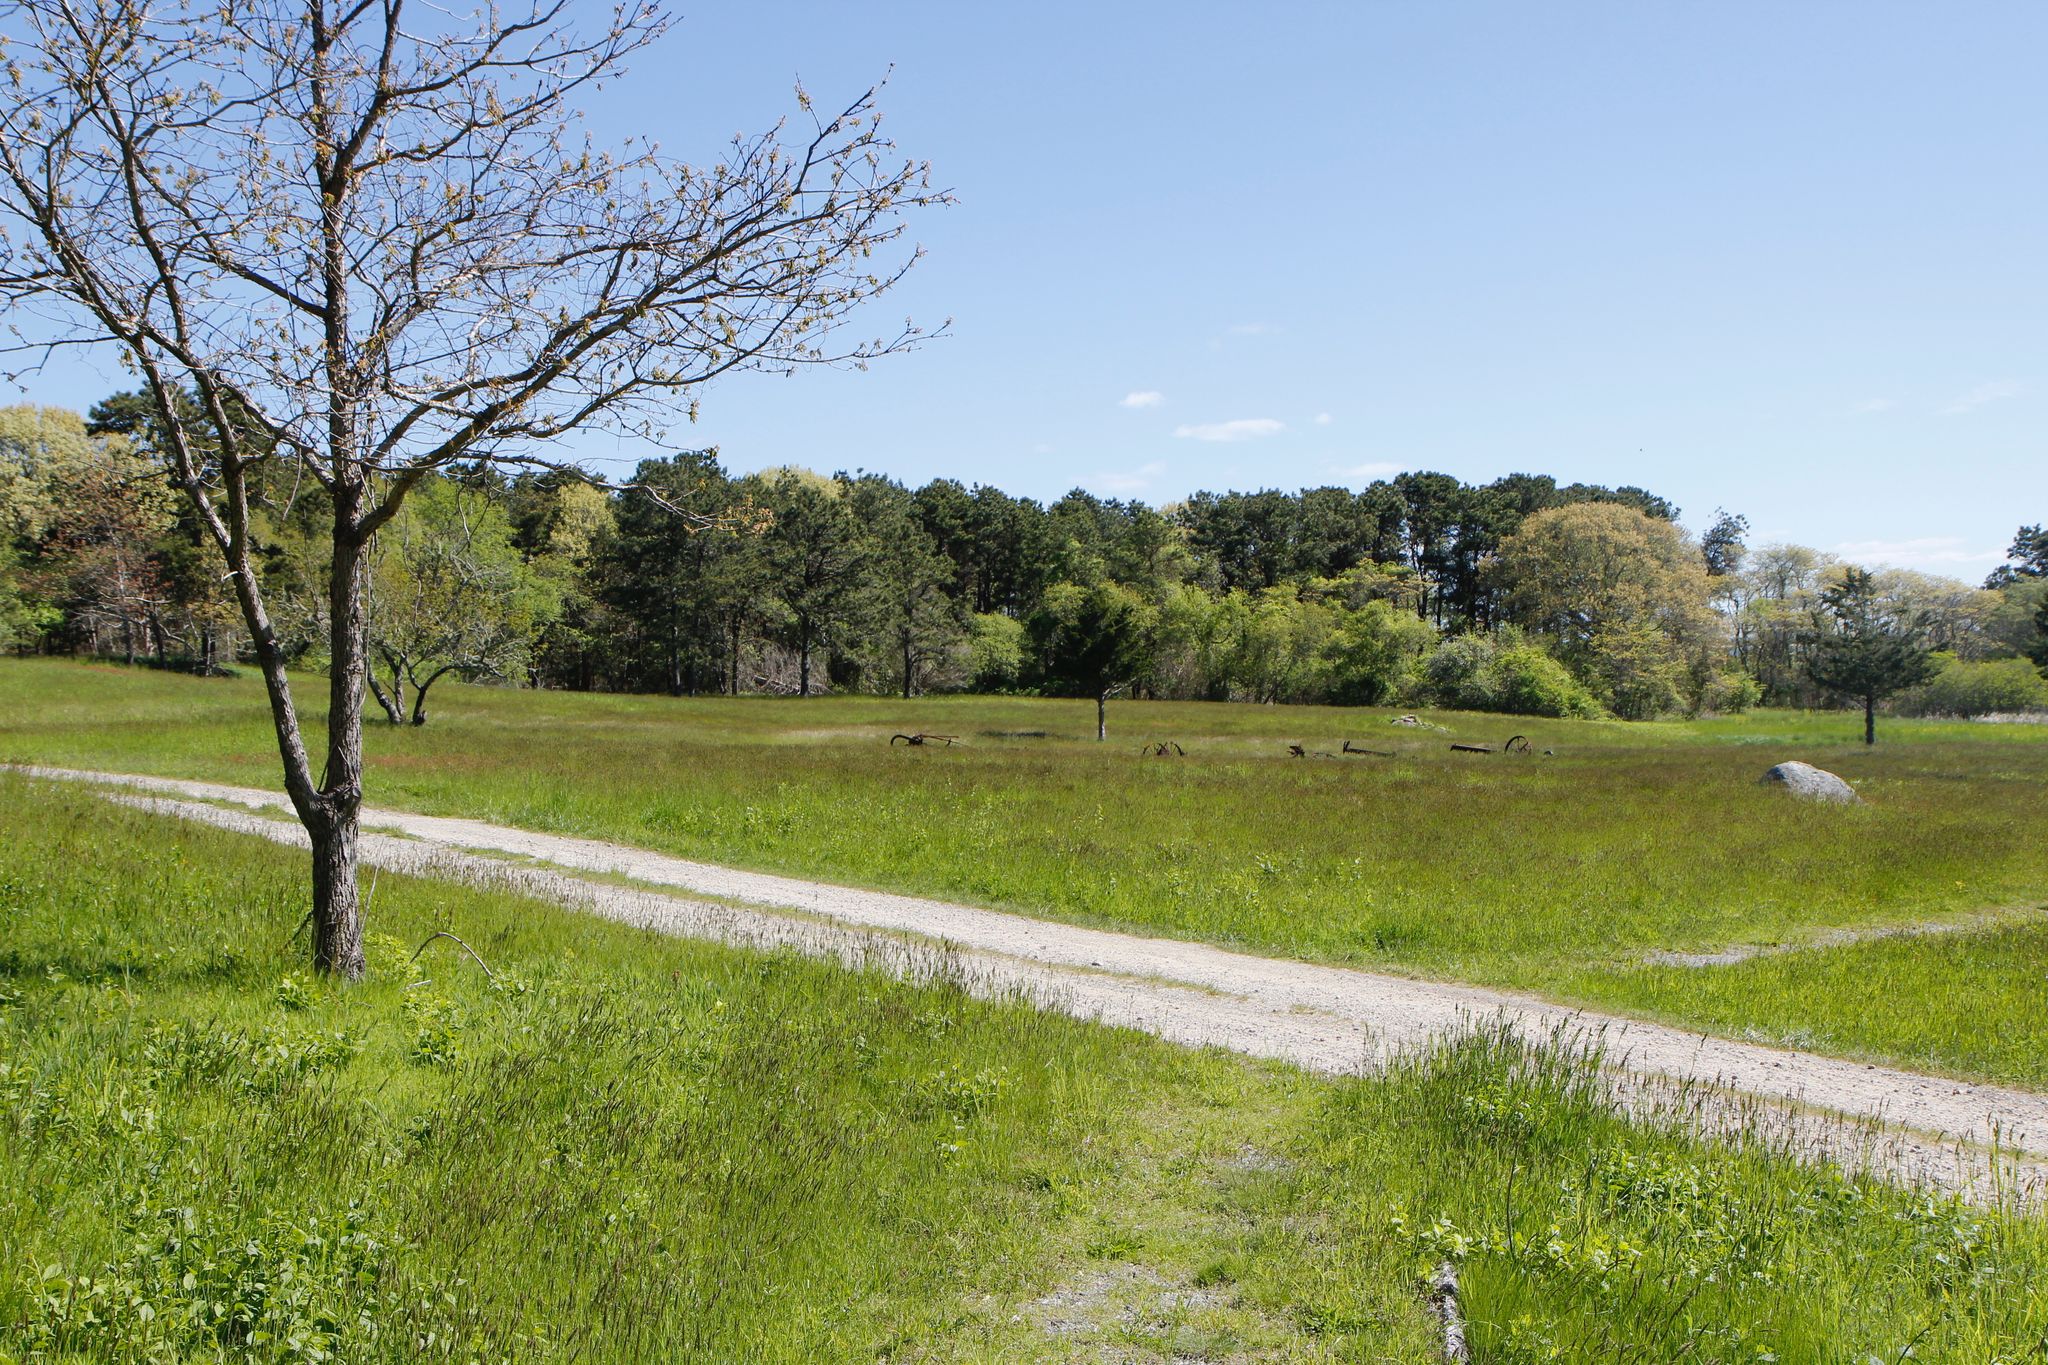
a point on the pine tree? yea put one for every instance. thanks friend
(1863, 650)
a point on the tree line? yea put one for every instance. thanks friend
(1522, 595)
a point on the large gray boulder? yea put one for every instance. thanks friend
(1809, 783)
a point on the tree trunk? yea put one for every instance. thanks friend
(392, 701)
(909, 670)
(1870, 720)
(337, 913)
(803, 665)
(337, 916)
(419, 695)
(1101, 716)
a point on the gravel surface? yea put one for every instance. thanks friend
(1328, 1019)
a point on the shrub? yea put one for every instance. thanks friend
(1963, 688)
(1534, 684)
(1482, 673)
(1372, 652)
(1727, 693)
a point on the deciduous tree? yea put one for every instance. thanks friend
(450, 593)
(1620, 595)
(374, 232)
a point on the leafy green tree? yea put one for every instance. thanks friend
(1193, 633)
(2023, 617)
(1280, 645)
(911, 608)
(995, 652)
(1504, 673)
(86, 514)
(1620, 596)
(24, 615)
(662, 572)
(1963, 687)
(1091, 642)
(818, 561)
(450, 593)
(1724, 544)
(1335, 531)
(1372, 653)
(1431, 504)
(1250, 538)
(1013, 551)
(562, 526)
(1864, 650)
(43, 452)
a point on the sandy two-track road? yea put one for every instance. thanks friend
(1329, 1019)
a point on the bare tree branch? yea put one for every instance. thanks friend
(374, 244)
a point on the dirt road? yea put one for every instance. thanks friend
(1328, 1019)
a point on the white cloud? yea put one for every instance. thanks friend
(1324, 419)
(1876, 405)
(1243, 429)
(1982, 394)
(1141, 398)
(1924, 552)
(1376, 469)
(1131, 481)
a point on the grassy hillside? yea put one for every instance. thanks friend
(621, 1147)
(1558, 872)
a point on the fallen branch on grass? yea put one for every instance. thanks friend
(921, 739)
(443, 933)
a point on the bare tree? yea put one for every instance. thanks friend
(376, 237)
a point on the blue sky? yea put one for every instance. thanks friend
(1786, 259)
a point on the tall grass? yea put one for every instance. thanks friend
(1556, 872)
(1584, 1238)
(617, 1147)
(621, 1147)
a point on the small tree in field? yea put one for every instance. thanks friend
(1092, 642)
(1862, 651)
(451, 594)
(370, 233)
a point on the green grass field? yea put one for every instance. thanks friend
(1554, 873)
(626, 1147)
